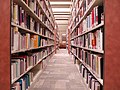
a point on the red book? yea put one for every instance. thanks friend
(94, 40)
(92, 18)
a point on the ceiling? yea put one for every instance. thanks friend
(61, 11)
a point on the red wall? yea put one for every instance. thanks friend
(4, 44)
(112, 45)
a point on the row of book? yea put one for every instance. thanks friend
(78, 41)
(92, 40)
(46, 32)
(92, 61)
(73, 13)
(95, 62)
(34, 5)
(26, 80)
(21, 64)
(23, 83)
(89, 79)
(22, 18)
(95, 17)
(50, 9)
(75, 9)
(86, 4)
(22, 41)
(78, 5)
(91, 82)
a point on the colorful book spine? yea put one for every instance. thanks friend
(91, 82)
(93, 61)
(24, 82)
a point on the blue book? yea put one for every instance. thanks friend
(20, 81)
(39, 41)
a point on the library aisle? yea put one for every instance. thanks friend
(60, 74)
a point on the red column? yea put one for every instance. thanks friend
(112, 45)
(55, 40)
(69, 41)
(4, 44)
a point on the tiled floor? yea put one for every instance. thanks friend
(60, 74)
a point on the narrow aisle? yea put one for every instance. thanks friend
(60, 74)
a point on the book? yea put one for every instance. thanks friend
(16, 39)
(15, 13)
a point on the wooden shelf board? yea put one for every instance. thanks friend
(89, 30)
(94, 50)
(25, 50)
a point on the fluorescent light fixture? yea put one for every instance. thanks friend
(59, 2)
(63, 34)
(61, 9)
(59, 16)
(62, 21)
(60, 13)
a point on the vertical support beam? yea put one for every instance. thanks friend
(55, 41)
(4, 44)
(112, 45)
(55, 34)
(69, 41)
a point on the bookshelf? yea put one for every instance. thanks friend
(68, 40)
(92, 4)
(33, 40)
(89, 69)
(56, 38)
(85, 40)
(28, 69)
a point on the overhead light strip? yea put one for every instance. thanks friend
(61, 9)
(61, 13)
(62, 16)
(59, 2)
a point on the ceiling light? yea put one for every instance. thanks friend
(60, 13)
(61, 9)
(52, 3)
